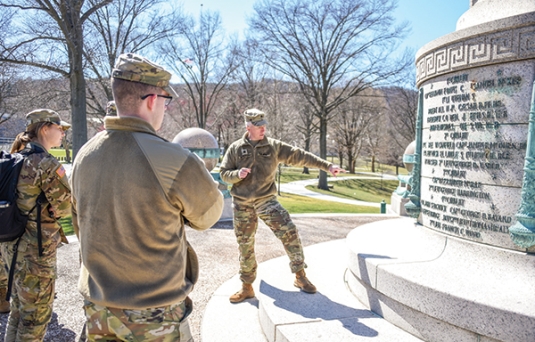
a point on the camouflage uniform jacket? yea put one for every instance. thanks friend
(263, 160)
(42, 171)
(133, 191)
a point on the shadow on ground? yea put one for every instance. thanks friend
(56, 332)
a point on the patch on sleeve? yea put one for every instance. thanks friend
(60, 171)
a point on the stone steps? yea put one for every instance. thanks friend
(281, 313)
(442, 288)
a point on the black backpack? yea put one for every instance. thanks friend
(12, 220)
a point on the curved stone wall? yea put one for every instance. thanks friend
(477, 85)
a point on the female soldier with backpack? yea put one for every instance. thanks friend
(34, 275)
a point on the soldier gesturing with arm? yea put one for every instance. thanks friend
(250, 165)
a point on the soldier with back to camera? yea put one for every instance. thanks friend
(133, 193)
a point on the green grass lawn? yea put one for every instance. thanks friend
(302, 205)
(368, 190)
(360, 189)
(66, 224)
(57, 152)
(292, 174)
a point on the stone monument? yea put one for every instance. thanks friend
(204, 145)
(464, 270)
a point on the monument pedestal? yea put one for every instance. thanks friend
(466, 272)
(228, 213)
(397, 205)
(439, 287)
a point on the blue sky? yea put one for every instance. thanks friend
(429, 19)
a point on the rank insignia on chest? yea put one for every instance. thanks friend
(244, 152)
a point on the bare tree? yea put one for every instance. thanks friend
(27, 94)
(7, 91)
(306, 125)
(278, 99)
(7, 72)
(325, 45)
(181, 111)
(351, 126)
(230, 124)
(200, 57)
(402, 106)
(123, 26)
(251, 75)
(376, 138)
(49, 35)
(279, 104)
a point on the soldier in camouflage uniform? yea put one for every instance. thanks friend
(137, 267)
(250, 165)
(34, 276)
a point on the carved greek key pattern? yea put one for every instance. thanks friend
(504, 45)
(458, 56)
(527, 43)
(477, 51)
(442, 61)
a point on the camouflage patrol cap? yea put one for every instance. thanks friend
(255, 116)
(135, 68)
(45, 115)
(111, 109)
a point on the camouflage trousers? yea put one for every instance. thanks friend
(278, 220)
(166, 324)
(3, 273)
(32, 294)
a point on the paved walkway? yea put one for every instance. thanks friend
(280, 312)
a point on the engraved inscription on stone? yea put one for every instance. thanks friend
(473, 147)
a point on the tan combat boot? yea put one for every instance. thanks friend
(302, 282)
(4, 304)
(243, 294)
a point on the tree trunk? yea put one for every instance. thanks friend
(202, 114)
(78, 94)
(351, 163)
(373, 163)
(322, 183)
(307, 148)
